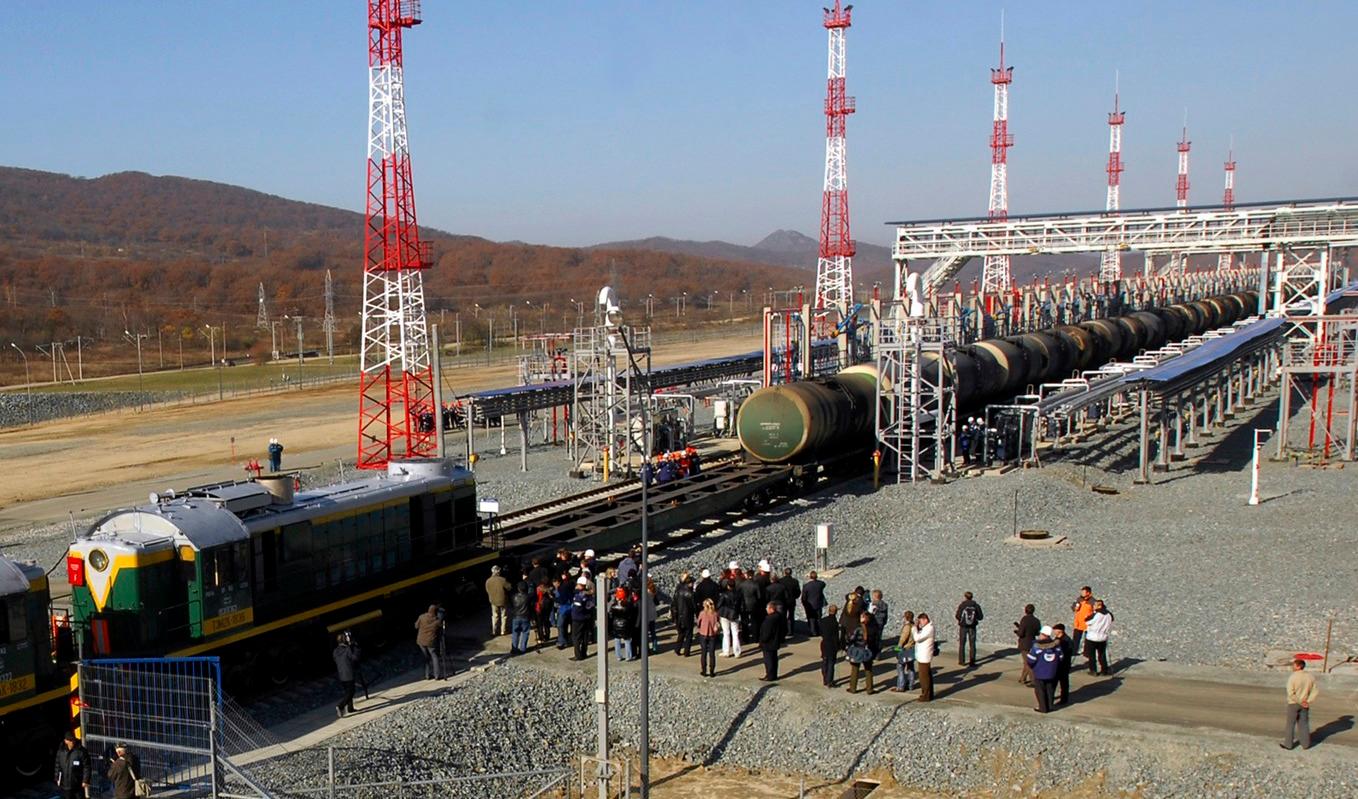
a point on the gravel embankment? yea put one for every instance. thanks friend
(519, 717)
(1192, 573)
(16, 410)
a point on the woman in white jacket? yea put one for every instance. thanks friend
(924, 656)
(1100, 626)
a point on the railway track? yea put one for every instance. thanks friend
(611, 520)
(523, 515)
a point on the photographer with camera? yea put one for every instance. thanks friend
(346, 668)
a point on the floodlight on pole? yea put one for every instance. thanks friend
(28, 381)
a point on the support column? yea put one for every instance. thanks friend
(1162, 454)
(1178, 429)
(1284, 413)
(523, 442)
(1144, 444)
(1192, 406)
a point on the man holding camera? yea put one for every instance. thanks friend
(346, 668)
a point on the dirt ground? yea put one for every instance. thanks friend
(675, 779)
(90, 463)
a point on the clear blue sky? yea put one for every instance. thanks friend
(579, 122)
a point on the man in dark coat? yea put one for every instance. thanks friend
(793, 592)
(770, 634)
(1025, 629)
(750, 603)
(706, 588)
(776, 594)
(73, 768)
(830, 642)
(346, 669)
(685, 613)
(1067, 647)
(813, 601)
(123, 772)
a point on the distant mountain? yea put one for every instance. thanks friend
(782, 247)
(130, 251)
(788, 241)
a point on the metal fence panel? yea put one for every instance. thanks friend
(167, 711)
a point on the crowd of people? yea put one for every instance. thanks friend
(722, 615)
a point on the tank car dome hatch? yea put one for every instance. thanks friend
(421, 467)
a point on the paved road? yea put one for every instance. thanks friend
(1141, 696)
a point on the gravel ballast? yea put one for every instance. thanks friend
(1191, 572)
(18, 408)
(518, 716)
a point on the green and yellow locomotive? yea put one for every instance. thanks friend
(262, 574)
(32, 689)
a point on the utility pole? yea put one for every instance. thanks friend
(328, 321)
(136, 339)
(298, 321)
(212, 344)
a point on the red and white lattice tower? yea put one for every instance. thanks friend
(995, 278)
(1181, 188)
(396, 403)
(1224, 260)
(834, 268)
(1110, 264)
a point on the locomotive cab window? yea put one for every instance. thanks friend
(13, 620)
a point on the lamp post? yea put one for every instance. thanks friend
(212, 344)
(28, 381)
(643, 741)
(136, 338)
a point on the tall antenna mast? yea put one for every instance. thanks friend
(834, 267)
(1110, 264)
(1181, 188)
(262, 318)
(995, 277)
(1224, 260)
(396, 390)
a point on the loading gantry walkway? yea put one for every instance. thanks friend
(1274, 226)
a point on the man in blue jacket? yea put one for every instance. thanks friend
(582, 611)
(1045, 660)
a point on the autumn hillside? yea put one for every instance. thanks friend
(170, 255)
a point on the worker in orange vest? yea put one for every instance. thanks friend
(1084, 608)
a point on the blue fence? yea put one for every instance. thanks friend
(166, 710)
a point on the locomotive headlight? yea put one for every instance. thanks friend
(98, 560)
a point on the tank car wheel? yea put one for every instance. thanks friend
(30, 758)
(281, 668)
